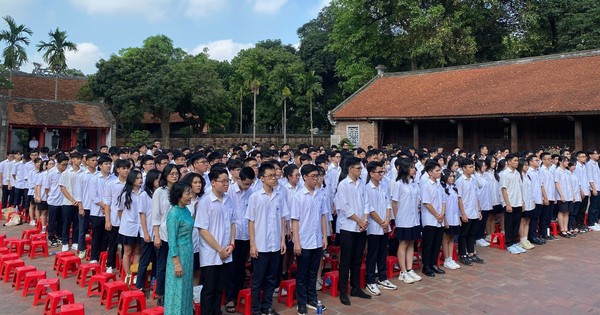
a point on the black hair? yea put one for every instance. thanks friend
(247, 173)
(488, 164)
(61, 158)
(520, 168)
(371, 167)
(321, 159)
(466, 162)
(159, 158)
(189, 179)
(263, 168)
(234, 163)
(177, 191)
(346, 164)
(499, 168)
(444, 181)
(430, 166)
(128, 189)
(215, 173)
(119, 164)
(404, 166)
(479, 165)
(289, 170)
(151, 176)
(165, 174)
(309, 168)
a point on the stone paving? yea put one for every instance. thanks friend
(561, 277)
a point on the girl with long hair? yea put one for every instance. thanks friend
(451, 219)
(145, 212)
(130, 202)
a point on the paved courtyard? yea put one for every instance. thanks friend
(561, 277)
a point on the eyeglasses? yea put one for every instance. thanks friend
(271, 176)
(313, 176)
(174, 174)
(223, 181)
(63, 164)
(358, 168)
(380, 173)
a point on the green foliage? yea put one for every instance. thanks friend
(15, 37)
(74, 72)
(54, 50)
(4, 78)
(346, 141)
(138, 137)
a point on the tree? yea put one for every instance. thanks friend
(312, 87)
(284, 79)
(4, 81)
(252, 72)
(74, 72)
(14, 53)
(54, 53)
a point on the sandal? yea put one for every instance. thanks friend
(564, 234)
(230, 307)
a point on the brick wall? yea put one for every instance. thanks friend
(369, 132)
(42, 87)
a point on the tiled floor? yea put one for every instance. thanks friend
(561, 277)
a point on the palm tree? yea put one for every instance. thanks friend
(313, 88)
(285, 78)
(54, 53)
(253, 72)
(14, 54)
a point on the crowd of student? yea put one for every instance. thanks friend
(198, 214)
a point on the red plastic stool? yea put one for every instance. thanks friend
(19, 275)
(26, 234)
(333, 262)
(2, 237)
(292, 270)
(244, 302)
(8, 240)
(31, 281)
(68, 266)
(363, 275)
(103, 258)
(110, 290)
(39, 244)
(84, 270)
(39, 237)
(500, 239)
(9, 267)
(334, 279)
(99, 279)
(197, 309)
(60, 255)
(72, 309)
(159, 310)
(4, 251)
(334, 251)
(57, 298)
(390, 261)
(7, 257)
(290, 287)
(127, 297)
(154, 295)
(18, 246)
(41, 289)
(554, 228)
(416, 261)
(88, 252)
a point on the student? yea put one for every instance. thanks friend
(528, 204)
(129, 204)
(40, 197)
(548, 196)
(380, 207)
(405, 208)
(432, 218)
(352, 210)
(470, 209)
(593, 174)
(327, 204)
(196, 182)
(217, 241)
(6, 167)
(239, 192)
(18, 175)
(98, 186)
(564, 195)
(484, 197)
(112, 192)
(581, 173)
(266, 230)
(494, 180)
(309, 228)
(70, 206)
(536, 193)
(512, 196)
(577, 193)
(451, 219)
(32, 178)
(85, 200)
(55, 197)
(148, 254)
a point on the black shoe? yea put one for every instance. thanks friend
(437, 270)
(344, 299)
(543, 241)
(313, 306)
(476, 259)
(269, 312)
(161, 301)
(359, 293)
(546, 237)
(536, 241)
(428, 271)
(465, 260)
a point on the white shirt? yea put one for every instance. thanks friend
(20, 174)
(495, 193)
(511, 180)
(576, 186)
(452, 215)
(350, 199)
(379, 201)
(581, 173)
(432, 193)
(145, 202)
(562, 178)
(267, 211)
(130, 217)
(536, 185)
(41, 182)
(468, 191)
(593, 173)
(55, 197)
(407, 197)
(98, 189)
(484, 192)
(160, 209)
(193, 208)
(68, 179)
(111, 195)
(6, 167)
(547, 178)
(83, 188)
(308, 209)
(239, 198)
(527, 187)
(215, 216)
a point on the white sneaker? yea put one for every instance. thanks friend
(373, 289)
(404, 277)
(109, 270)
(43, 230)
(93, 261)
(74, 246)
(455, 264)
(276, 292)
(319, 286)
(595, 228)
(519, 248)
(512, 249)
(414, 275)
(448, 264)
(81, 254)
(488, 238)
(32, 223)
(386, 284)
(481, 242)
(65, 248)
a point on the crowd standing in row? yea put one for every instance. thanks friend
(199, 215)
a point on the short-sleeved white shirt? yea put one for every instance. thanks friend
(239, 199)
(215, 216)
(130, 217)
(145, 202)
(407, 197)
(562, 178)
(527, 187)
(379, 202)
(350, 199)
(468, 191)
(308, 209)
(536, 185)
(581, 172)
(452, 215)
(484, 192)
(266, 211)
(547, 177)
(55, 197)
(575, 185)
(432, 193)
(193, 208)
(511, 180)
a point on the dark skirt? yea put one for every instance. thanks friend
(408, 234)
(564, 206)
(130, 240)
(452, 230)
(497, 209)
(527, 214)
(42, 205)
(196, 261)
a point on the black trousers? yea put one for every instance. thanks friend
(512, 221)
(238, 270)
(264, 276)
(580, 218)
(147, 256)
(545, 218)
(99, 237)
(213, 280)
(432, 242)
(306, 276)
(377, 252)
(534, 222)
(161, 267)
(70, 215)
(7, 196)
(466, 239)
(53, 213)
(19, 196)
(83, 228)
(113, 241)
(352, 247)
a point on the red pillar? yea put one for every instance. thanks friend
(73, 138)
(42, 138)
(103, 133)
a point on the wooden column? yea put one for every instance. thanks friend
(460, 137)
(42, 138)
(514, 137)
(578, 135)
(416, 135)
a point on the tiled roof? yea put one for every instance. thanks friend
(33, 112)
(42, 87)
(149, 119)
(551, 85)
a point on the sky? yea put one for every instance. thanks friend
(101, 28)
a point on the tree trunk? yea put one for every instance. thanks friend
(165, 130)
(284, 121)
(254, 120)
(241, 111)
(56, 87)
(311, 122)
(10, 79)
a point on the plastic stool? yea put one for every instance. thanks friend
(197, 309)
(99, 279)
(72, 309)
(88, 252)
(333, 262)
(58, 256)
(41, 289)
(244, 302)
(2, 237)
(103, 258)
(290, 287)
(390, 261)
(500, 238)
(68, 266)
(334, 278)
(293, 269)
(82, 273)
(26, 234)
(39, 237)
(19, 275)
(334, 250)
(57, 298)
(111, 290)
(127, 297)
(159, 310)
(4, 251)
(18, 246)
(31, 281)
(8, 240)
(9, 267)
(38, 244)
(554, 228)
